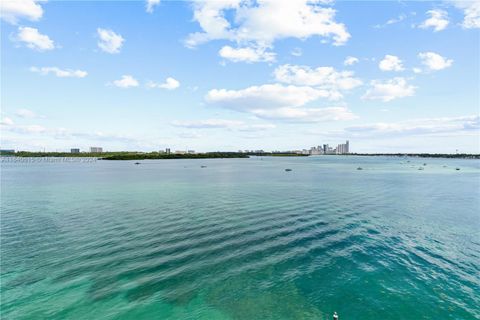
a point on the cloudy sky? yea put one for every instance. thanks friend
(390, 76)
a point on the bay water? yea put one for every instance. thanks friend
(241, 239)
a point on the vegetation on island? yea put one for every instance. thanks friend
(132, 155)
(160, 155)
(40, 154)
(206, 155)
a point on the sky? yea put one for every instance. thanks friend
(389, 76)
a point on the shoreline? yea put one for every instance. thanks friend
(418, 155)
(126, 155)
(146, 156)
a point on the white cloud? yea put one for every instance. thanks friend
(389, 90)
(306, 114)
(259, 24)
(27, 129)
(246, 54)
(222, 124)
(207, 124)
(417, 127)
(400, 18)
(13, 10)
(151, 4)
(391, 63)
(110, 41)
(34, 39)
(169, 84)
(267, 96)
(471, 10)
(349, 61)
(27, 114)
(6, 121)
(434, 61)
(278, 102)
(438, 20)
(322, 77)
(417, 70)
(288, 99)
(34, 131)
(61, 73)
(126, 81)
(423, 128)
(297, 52)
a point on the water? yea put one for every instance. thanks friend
(241, 239)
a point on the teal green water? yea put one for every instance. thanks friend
(241, 239)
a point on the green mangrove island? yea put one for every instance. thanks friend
(135, 155)
(130, 155)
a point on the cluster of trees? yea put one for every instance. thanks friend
(133, 155)
(158, 155)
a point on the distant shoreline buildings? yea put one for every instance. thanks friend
(325, 149)
(96, 149)
(343, 148)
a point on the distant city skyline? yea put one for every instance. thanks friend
(236, 75)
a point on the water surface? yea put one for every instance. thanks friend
(241, 239)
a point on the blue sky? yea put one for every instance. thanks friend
(390, 76)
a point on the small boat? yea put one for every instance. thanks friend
(137, 162)
(421, 168)
(288, 170)
(359, 168)
(457, 169)
(203, 166)
(424, 164)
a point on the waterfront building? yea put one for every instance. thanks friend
(316, 150)
(74, 150)
(96, 149)
(343, 148)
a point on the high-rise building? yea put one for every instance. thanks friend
(74, 150)
(167, 150)
(96, 149)
(343, 148)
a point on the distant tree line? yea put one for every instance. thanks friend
(135, 155)
(421, 155)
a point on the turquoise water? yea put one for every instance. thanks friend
(241, 239)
